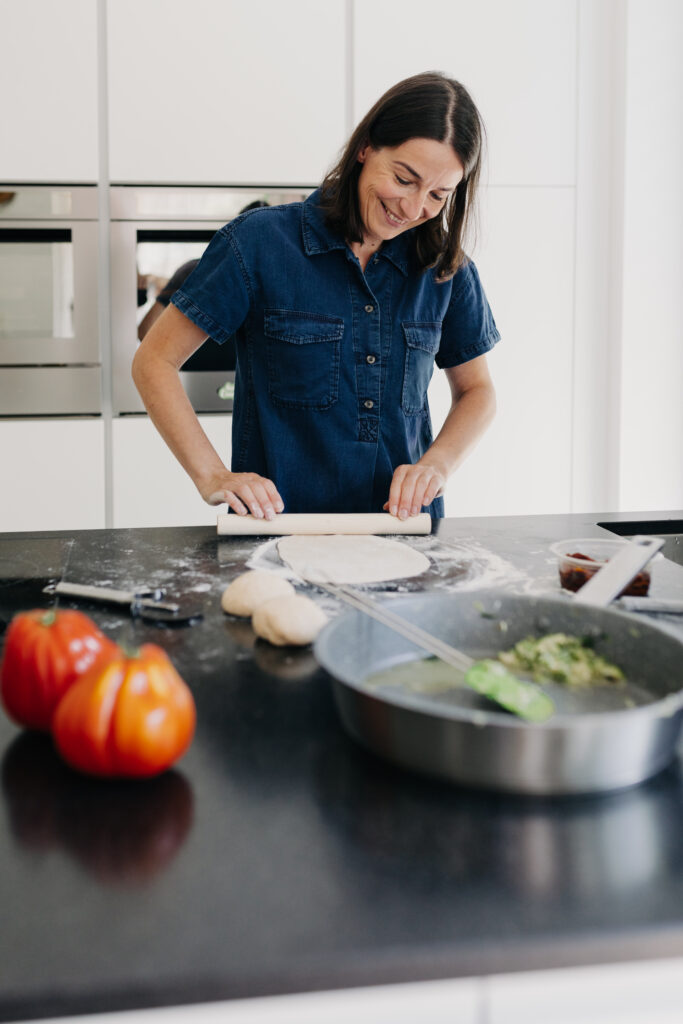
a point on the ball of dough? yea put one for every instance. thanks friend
(288, 620)
(248, 591)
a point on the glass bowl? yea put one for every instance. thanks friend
(580, 558)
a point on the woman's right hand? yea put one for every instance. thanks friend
(244, 493)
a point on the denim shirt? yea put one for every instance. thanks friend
(333, 364)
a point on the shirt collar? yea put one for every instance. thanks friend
(319, 237)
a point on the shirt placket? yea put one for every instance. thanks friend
(367, 347)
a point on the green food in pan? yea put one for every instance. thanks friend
(553, 658)
(560, 658)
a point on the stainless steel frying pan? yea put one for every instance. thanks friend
(599, 739)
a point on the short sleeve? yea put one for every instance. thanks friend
(217, 296)
(468, 329)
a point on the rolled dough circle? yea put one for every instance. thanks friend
(248, 591)
(341, 558)
(288, 620)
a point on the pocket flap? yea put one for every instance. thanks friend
(302, 328)
(423, 336)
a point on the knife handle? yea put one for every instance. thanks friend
(106, 594)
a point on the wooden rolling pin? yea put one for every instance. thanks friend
(320, 522)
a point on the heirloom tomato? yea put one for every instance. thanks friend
(133, 716)
(45, 652)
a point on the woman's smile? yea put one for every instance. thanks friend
(395, 221)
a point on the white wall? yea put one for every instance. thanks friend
(651, 379)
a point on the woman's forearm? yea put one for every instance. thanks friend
(172, 414)
(172, 340)
(467, 421)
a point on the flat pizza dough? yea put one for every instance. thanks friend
(342, 558)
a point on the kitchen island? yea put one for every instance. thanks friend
(278, 856)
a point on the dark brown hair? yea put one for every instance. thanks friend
(426, 106)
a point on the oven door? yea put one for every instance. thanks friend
(49, 340)
(48, 293)
(146, 258)
(154, 233)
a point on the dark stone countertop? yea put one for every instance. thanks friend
(278, 856)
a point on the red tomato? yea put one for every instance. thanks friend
(133, 716)
(45, 652)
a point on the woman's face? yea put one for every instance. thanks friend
(402, 186)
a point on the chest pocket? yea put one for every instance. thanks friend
(422, 344)
(302, 357)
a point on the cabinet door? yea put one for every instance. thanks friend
(48, 81)
(150, 486)
(225, 92)
(53, 474)
(518, 60)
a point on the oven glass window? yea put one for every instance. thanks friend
(36, 284)
(164, 259)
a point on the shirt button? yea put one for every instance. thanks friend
(368, 403)
(369, 309)
(371, 359)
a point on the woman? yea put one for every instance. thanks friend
(340, 306)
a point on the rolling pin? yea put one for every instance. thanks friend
(322, 522)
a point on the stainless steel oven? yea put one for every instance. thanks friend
(157, 235)
(50, 362)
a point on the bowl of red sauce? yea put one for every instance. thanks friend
(580, 558)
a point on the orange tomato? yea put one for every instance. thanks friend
(45, 652)
(133, 716)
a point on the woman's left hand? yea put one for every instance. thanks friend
(412, 487)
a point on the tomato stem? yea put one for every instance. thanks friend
(49, 617)
(130, 652)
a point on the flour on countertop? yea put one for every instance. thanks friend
(462, 564)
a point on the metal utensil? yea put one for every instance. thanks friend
(451, 655)
(143, 603)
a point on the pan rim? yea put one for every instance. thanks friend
(665, 707)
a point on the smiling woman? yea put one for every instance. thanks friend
(340, 308)
(426, 109)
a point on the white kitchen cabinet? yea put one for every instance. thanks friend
(49, 89)
(225, 92)
(150, 487)
(518, 60)
(53, 474)
(522, 466)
